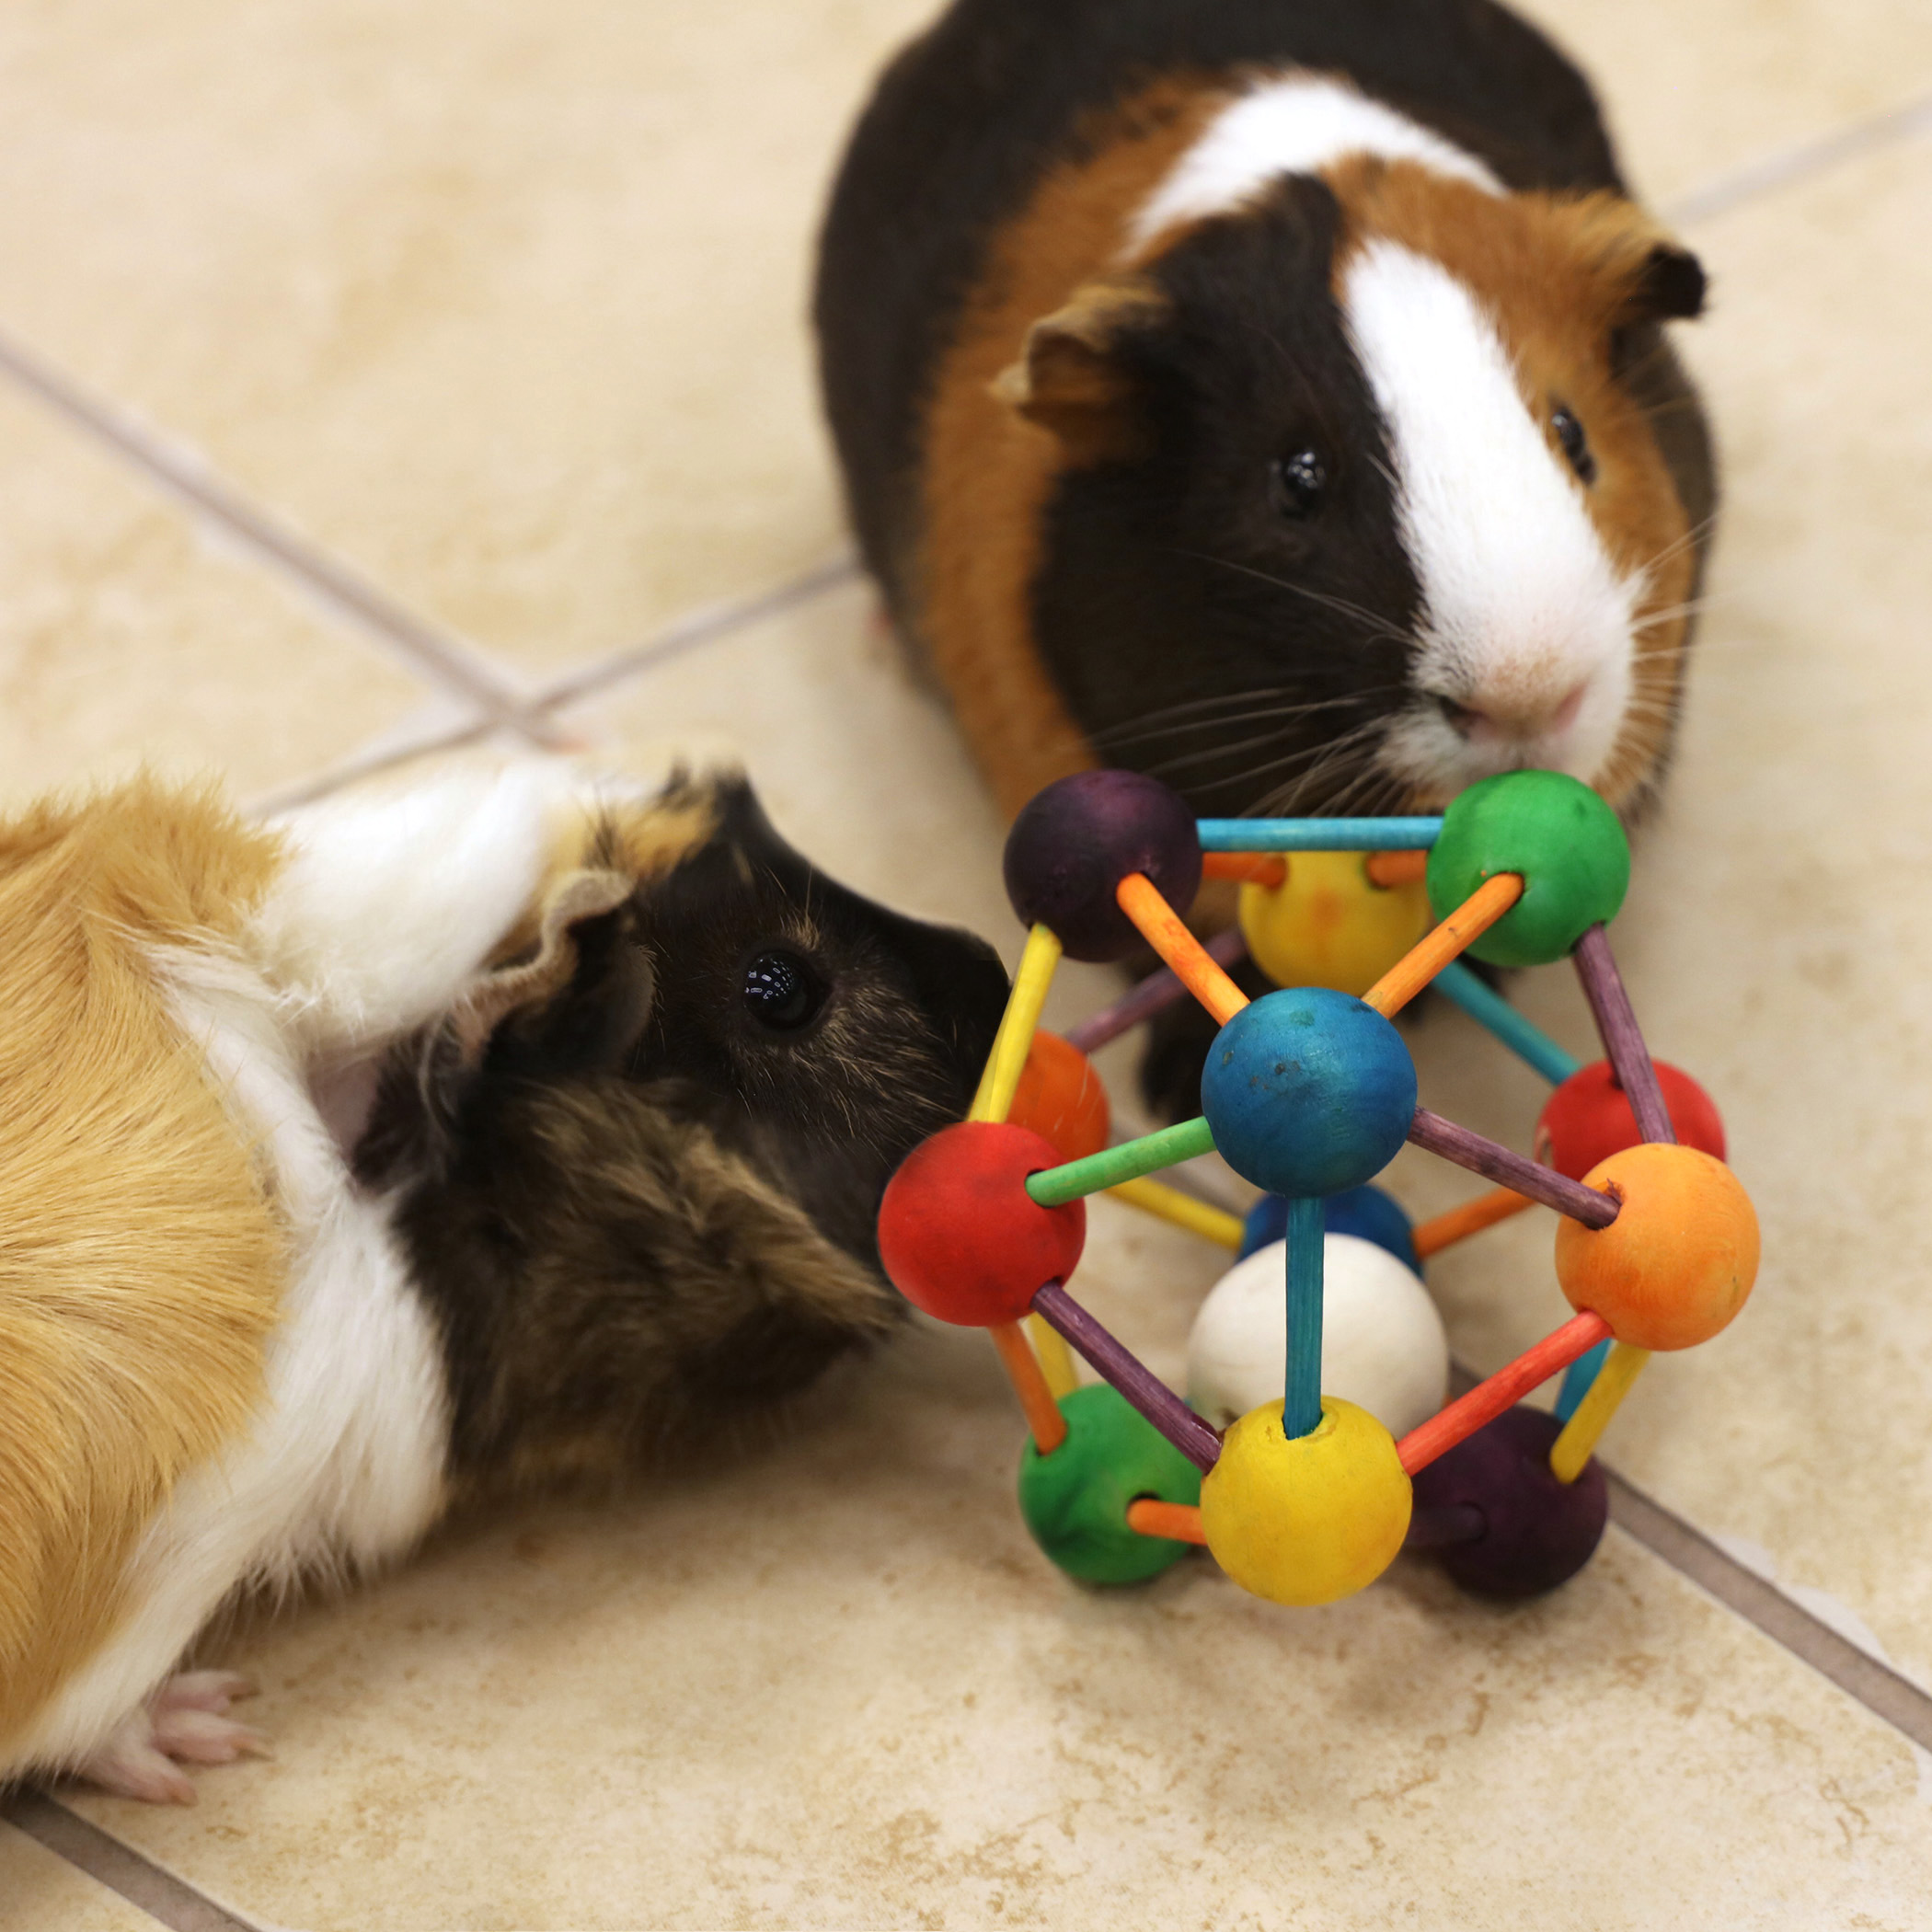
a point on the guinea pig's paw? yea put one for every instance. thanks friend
(186, 1722)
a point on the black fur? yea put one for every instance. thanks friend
(642, 1214)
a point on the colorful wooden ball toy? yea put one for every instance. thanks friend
(1382, 1342)
(1061, 1097)
(959, 1236)
(1679, 1261)
(1311, 1520)
(1328, 924)
(1588, 1118)
(1070, 848)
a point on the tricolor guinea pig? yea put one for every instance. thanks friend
(1270, 394)
(501, 1128)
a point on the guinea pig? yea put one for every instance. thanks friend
(1270, 395)
(505, 1127)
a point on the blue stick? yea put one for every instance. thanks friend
(1482, 1003)
(1301, 1397)
(1318, 834)
(1577, 1379)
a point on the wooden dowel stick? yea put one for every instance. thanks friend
(1178, 1522)
(1488, 1007)
(1154, 995)
(1260, 869)
(1185, 956)
(1396, 868)
(1584, 1430)
(1435, 950)
(1415, 834)
(1301, 1392)
(1509, 1170)
(1622, 1039)
(1014, 1040)
(1056, 1359)
(1043, 1417)
(1488, 1399)
(1142, 1388)
(1055, 1186)
(1152, 1197)
(1445, 1230)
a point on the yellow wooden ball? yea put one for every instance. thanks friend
(1310, 1521)
(1328, 925)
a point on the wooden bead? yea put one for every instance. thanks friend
(1680, 1258)
(1588, 1118)
(1308, 1521)
(1327, 925)
(1074, 1501)
(1537, 1531)
(1061, 1099)
(960, 1238)
(1308, 1092)
(1070, 848)
(1366, 1211)
(1563, 840)
(1382, 1342)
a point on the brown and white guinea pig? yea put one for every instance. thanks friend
(1270, 395)
(500, 1127)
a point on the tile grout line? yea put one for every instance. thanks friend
(440, 659)
(108, 1861)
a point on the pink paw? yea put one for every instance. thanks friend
(185, 1722)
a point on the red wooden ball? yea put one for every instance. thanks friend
(1588, 1119)
(1060, 1098)
(961, 1236)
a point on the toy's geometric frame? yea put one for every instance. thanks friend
(1253, 850)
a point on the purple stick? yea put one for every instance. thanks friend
(1437, 1525)
(1512, 1171)
(1155, 994)
(1623, 1040)
(1145, 1390)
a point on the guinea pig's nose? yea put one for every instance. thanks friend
(1518, 716)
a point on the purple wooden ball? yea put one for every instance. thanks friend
(1074, 843)
(1537, 1531)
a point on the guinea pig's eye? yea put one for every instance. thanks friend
(1299, 483)
(781, 992)
(1574, 444)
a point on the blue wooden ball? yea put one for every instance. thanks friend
(1308, 1091)
(1366, 1213)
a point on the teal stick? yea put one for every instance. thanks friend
(1483, 1004)
(1318, 834)
(1301, 1399)
(1054, 1186)
(1577, 1378)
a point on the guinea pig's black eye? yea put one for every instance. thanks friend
(1574, 444)
(1299, 483)
(781, 992)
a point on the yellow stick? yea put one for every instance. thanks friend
(1056, 1359)
(1014, 1040)
(1153, 1197)
(1580, 1434)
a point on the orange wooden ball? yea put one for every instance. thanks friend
(1060, 1098)
(1677, 1262)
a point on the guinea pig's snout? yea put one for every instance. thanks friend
(1505, 719)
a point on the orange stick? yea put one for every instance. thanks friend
(1191, 963)
(1043, 1417)
(1266, 868)
(1488, 1399)
(1180, 1522)
(1427, 957)
(1445, 1230)
(1394, 868)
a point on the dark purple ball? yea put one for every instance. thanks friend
(1075, 842)
(1536, 1532)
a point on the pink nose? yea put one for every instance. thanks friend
(1490, 719)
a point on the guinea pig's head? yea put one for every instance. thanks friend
(1373, 484)
(640, 1171)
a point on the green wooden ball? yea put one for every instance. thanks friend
(1074, 1501)
(1561, 837)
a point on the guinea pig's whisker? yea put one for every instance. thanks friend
(1374, 626)
(1238, 711)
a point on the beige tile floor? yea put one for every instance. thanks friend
(499, 311)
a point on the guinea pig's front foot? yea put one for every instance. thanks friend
(185, 1722)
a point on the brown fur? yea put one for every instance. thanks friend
(990, 470)
(140, 1259)
(1559, 329)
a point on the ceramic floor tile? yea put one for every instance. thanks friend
(127, 638)
(39, 1893)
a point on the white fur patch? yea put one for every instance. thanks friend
(1526, 619)
(1296, 125)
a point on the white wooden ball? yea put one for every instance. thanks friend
(1382, 1346)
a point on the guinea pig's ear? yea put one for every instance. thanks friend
(1650, 276)
(1072, 378)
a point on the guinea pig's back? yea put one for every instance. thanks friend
(971, 117)
(140, 1260)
